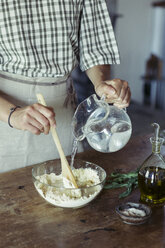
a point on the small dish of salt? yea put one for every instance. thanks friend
(133, 213)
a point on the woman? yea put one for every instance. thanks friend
(41, 42)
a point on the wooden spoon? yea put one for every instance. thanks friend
(66, 170)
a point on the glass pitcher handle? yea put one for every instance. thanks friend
(103, 97)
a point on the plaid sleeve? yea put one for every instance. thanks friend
(97, 43)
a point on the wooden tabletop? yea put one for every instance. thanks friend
(28, 221)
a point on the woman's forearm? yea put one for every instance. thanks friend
(5, 107)
(99, 73)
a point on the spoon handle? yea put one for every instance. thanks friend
(66, 170)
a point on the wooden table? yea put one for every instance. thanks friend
(27, 221)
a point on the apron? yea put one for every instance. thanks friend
(21, 148)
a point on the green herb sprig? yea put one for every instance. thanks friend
(119, 180)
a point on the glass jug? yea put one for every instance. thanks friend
(106, 127)
(151, 177)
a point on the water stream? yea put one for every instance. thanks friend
(74, 151)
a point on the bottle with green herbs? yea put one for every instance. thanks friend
(151, 176)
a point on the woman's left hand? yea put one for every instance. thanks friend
(116, 91)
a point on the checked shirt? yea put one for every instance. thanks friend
(48, 38)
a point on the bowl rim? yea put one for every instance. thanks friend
(136, 217)
(84, 161)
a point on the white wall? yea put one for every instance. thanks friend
(158, 45)
(134, 34)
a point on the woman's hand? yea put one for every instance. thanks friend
(116, 91)
(35, 118)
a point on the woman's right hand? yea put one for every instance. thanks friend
(35, 118)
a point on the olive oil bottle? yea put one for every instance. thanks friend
(151, 176)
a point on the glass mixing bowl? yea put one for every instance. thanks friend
(56, 194)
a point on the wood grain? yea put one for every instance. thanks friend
(27, 221)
